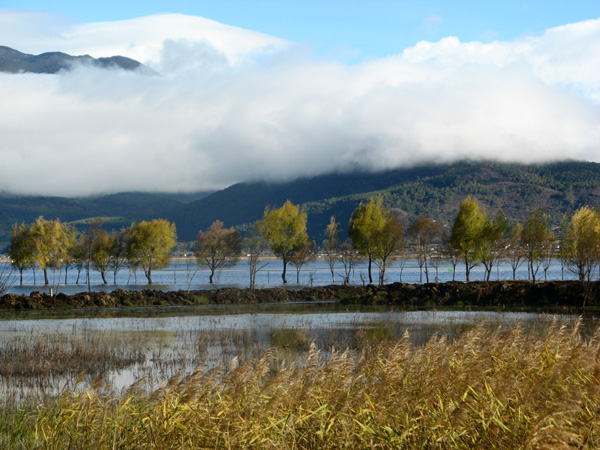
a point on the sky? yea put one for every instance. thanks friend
(273, 90)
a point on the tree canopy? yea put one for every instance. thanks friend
(581, 247)
(22, 251)
(466, 233)
(331, 245)
(365, 227)
(376, 233)
(285, 230)
(424, 231)
(494, 240)
(536, 239)
(389, 240)
(101, 251)
(218, 247)
(150, 244)
(51, 243)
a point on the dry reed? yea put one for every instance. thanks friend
(490, 388)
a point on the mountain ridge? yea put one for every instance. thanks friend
(14, 61)
(434, 190)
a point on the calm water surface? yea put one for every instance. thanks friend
(177, 340)
(185, 274)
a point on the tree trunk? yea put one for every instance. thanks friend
(46, 276)
(382, 274)
(370, 264)
(149, 275)
(21, 274)
(212, 274)
(253, 266)
(103, 273)
(426, 270)
(284, 272)
(66, 272)
(467, 270)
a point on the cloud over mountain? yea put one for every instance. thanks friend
(233, 104)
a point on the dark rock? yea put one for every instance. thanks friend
(549, 296)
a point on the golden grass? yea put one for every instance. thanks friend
(490, 388)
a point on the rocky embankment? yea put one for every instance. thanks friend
(553, 295)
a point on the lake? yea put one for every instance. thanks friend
(185, 275)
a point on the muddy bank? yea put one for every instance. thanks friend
(553, 295)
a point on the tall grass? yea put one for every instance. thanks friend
(489, 388)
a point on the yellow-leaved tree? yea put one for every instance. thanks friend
(466, 235)
(285, 231)
(581, 248)
(376, 233)
(150, 244)
(51, 241)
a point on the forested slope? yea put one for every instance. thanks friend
(436, 191)
(115, 210)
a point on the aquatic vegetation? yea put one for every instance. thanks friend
(488, 387)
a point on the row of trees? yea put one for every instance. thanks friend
(375, 234)
(52, 245)
(479, 239)
(378, 235)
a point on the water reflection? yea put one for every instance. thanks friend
(172, 341)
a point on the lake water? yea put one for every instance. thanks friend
(174, 341)
(185, 274)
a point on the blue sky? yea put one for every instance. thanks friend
(274, 90)
(348, 29)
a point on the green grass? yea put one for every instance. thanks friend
(342, 295)
(102, 219)
(202, 300)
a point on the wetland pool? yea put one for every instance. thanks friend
(111, 350)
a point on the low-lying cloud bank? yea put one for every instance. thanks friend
(234, 105)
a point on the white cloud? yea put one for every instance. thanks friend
(142, 38)
(234, 105)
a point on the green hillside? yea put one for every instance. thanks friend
(244, 203)
(435, 191)
(115, 210)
